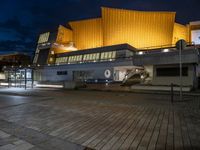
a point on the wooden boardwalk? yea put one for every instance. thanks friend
(106, 126)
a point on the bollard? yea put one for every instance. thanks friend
(199, 101)
(172, 92)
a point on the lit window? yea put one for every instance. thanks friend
(43, 37)
(114, 54)
(50, 59)
(109, 54)
(102, 56)
(97, 56)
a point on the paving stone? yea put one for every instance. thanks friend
(4, 135)
(101, 120)
(8, 147)
(24, 146)
(8, 140)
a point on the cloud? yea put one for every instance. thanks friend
(16, 46)
(14, 25)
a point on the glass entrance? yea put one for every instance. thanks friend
(19, 77)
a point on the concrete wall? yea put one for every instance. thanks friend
(189, 80)
(167, 58)
(50, 73)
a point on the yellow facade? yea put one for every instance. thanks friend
(137, 28)
(180, 32)
(87, 33)
(64, 35)
(141, 29)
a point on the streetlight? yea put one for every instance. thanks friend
(180, 45)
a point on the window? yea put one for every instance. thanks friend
(43, 37)
(171, 72)
(61, 60)
(74, 59)
(91, 57)
(51, 59)
(108, 56)
(61, 72)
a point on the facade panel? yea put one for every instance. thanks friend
(180, 32)
(87, 33)
(137, 28)
(64, 35)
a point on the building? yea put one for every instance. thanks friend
(119, 45)
(11, 60)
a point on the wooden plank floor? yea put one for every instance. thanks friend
(109, 126)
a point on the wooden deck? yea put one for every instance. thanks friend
(108, 125)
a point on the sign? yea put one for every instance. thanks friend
(107, 73)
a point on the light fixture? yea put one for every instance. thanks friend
(140, 53)
(165, 50)
(55, 44)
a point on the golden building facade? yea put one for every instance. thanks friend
(180, 32)
(137, 28)
(64, 35)
(87, 33)
(141, 29)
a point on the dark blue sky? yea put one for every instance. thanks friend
(21, 21)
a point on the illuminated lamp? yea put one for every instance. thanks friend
(166, 50)
(140, 53)
(56, 44)
(70, 47)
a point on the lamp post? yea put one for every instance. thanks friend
(180, 45)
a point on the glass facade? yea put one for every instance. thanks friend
(93, 57)
(105, 56)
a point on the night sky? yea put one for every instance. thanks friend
(21, 21)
